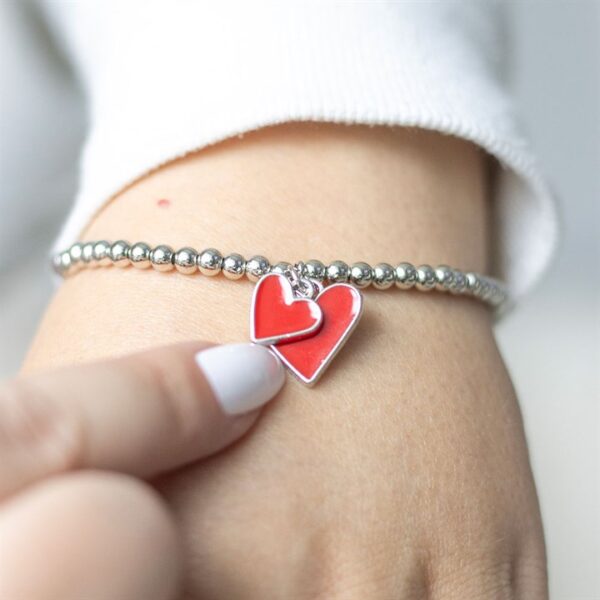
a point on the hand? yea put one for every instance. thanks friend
(404, 473)
(76, 520)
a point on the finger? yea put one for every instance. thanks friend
(88, 535)
(143, 414)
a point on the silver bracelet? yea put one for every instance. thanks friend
(304, 311)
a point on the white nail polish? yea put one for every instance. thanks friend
(242, 376)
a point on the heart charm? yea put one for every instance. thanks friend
(277, 315)
(308, 358)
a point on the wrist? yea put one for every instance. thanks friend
(325, 191)
(290, 192)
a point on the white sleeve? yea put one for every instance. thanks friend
(166, 78)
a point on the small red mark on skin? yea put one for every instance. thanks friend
(163, 203)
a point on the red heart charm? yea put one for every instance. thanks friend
(308, 358)
(277, 315)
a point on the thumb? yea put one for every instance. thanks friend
(141, 414)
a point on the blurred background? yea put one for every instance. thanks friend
(551, 342)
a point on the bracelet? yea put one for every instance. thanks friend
(233, 266)
(305, 311)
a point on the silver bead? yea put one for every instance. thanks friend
(100, 253)
(161, 258)
(383, 276)
(75, 252)
(425, 278)
(281, 268)
(62, 263)
(484, 290)
(314, 269)
(473, 283)
(499, 296)
(234, 266)
(256, 267)
(209, 262)
(361, 274)
(87, 254)
(493, 294)
(444, 277)
(459, 285)
(56, 264)
(406, 276)
(337, 272)
(185, 260)
(139, 255)
(119, 253)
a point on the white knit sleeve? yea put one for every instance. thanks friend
(166, 78)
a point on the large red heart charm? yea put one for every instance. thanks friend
(277, 315)
(308, 358)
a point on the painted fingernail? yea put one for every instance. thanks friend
(243, 377)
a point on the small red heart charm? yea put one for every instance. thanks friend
(277, 315)
(308, 358)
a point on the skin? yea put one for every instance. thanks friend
(404, 473)
(73, 506)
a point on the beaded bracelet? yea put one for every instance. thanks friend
(304, 311)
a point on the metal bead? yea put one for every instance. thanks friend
(425, 278)
(185, 260)
(56, 264)
(361, 274)
(281, 268)
(234, 266)
(100, 253)
(314, 269)
(76, 251)
(256, 267)
(444, 277)
(406, 276)
(161, 258)
(62, 263)
(494, 295)
(383, 276)
(87, 254)
(459, 285)
(139, 255)
(473, 283)
(119, 253)
(499, 297)
(209, 262)
(337, 272)
(484, 290)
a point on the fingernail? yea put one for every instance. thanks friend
(242, 376)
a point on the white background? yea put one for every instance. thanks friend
(551, 342)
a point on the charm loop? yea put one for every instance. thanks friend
(303, 286)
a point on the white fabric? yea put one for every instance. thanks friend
(166, 78)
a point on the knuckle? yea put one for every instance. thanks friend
(480, 564)
(489, 557)
(490, 575)
(36, 430)
(480, 579)
(367, 570)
